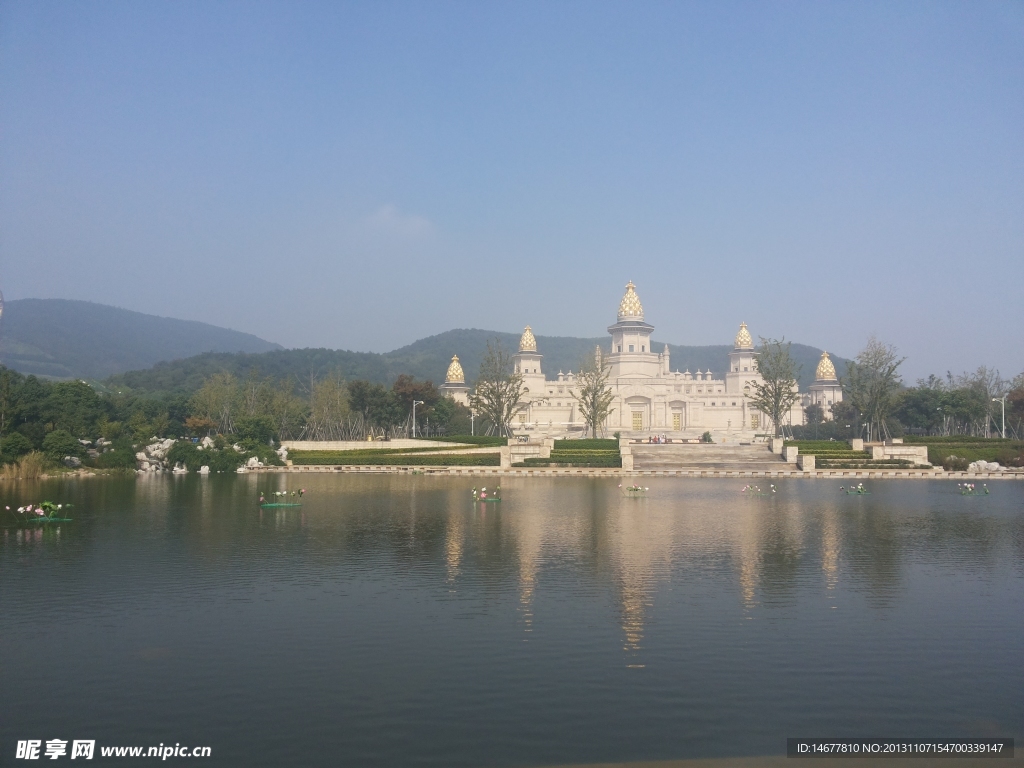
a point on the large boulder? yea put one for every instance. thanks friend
(73, 462)
(984, 466)
(206, 442)
(204, 470)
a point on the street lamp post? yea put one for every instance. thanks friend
(1003, 401)
(414, 404)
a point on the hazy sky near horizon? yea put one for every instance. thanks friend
(360, 175)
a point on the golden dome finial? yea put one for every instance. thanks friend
(455, 374)
(826, 369)
(630, 306)
(743, 338)
(527, 342)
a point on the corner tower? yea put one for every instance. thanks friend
(455, 385)
(742, 363)
(826, 389)
(527, 362)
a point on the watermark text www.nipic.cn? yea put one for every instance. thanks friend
(54, 749)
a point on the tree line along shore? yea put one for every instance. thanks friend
(50, 424)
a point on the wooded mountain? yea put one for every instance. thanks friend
(60, 338)
(426, 359)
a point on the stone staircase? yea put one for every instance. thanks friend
(741, 458)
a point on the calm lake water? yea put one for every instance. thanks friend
(390, 621)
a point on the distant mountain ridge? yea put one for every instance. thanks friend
(426, 358)
(63, 338)
(60, 338)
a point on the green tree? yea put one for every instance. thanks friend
(10, 382)
(920, 407)
(408, 390)
(255, 429)
(73, 406)
(14, 446)
(451, 417)
(61, 443)
(498, 389)
(777, 391)
(814, 414)
(1015, 405)
(380, 407)
(329, 411)
(287, 411)
(217, 401)
(593, 395)
(873, 383)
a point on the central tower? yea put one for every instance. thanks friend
(631, 353)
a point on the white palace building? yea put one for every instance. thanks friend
(651, 398)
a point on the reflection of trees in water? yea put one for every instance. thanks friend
(875, 551)
(782, 549)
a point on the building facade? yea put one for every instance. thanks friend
(649, 397)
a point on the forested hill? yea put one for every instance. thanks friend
(61, 338)
(425, 359)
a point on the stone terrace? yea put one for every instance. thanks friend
(689, 456)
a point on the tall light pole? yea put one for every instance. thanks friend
(414, 404)
(1003, 401)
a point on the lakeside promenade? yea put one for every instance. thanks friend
(834, 474)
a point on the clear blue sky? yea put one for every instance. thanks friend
(363, 175)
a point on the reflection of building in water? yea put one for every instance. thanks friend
(453, 544)
(641, 552)
(530, 542)
(830, 543)
(636, 544)
(747, 555)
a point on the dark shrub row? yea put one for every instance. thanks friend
(343, 458)
(484, 441)
(582, 461)
(585, 445)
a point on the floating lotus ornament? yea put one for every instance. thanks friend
(41, 512)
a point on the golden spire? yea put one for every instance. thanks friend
(630, 306)
(743, 339)
(455, 374)
(826, 369)
(527, 342)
